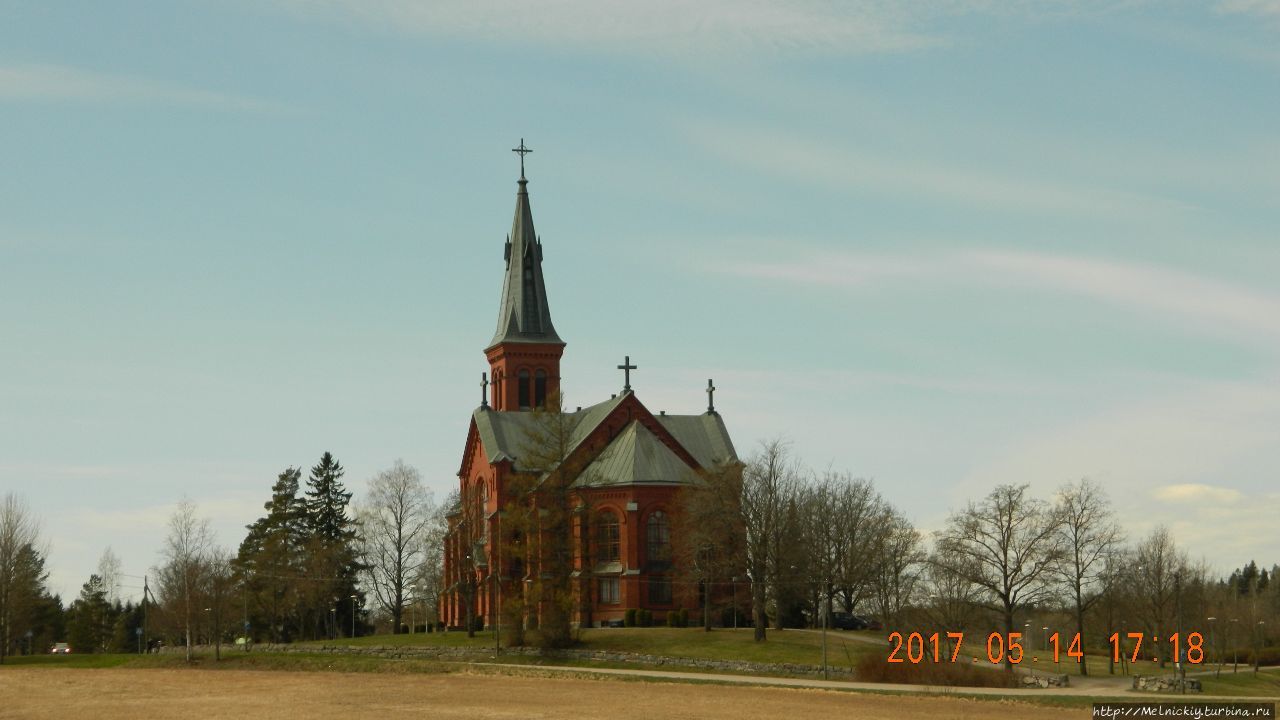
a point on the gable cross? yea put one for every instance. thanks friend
(626, 367)
(711, 397)
(484, 390)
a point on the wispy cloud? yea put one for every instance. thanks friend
(655, 26)
(1180, 298)
(61, 83)
(1196, 494)
(1262, 8)
(834, 165)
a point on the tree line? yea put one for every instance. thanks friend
(765, 542)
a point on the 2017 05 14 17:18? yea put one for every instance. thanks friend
(914, 647)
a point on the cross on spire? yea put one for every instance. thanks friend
(626, 367)
(711, 397)
(521, 151)
(484, 390)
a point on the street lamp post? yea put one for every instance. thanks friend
(353, 615)
(1211, 620)
(733, 586)
(824, 677)
(1235, 653)
(1044, 639)
(1256, 643)
(333, 620)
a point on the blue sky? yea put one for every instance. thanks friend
(944, 245)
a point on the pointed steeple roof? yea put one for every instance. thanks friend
(523, 315)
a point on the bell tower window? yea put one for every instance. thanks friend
(523, 389)
(540, 388)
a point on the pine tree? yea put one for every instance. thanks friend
(269, 561)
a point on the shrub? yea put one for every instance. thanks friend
(645, 617)
(1268, 656)
(874, 667)
(684, 617)
(629, 618)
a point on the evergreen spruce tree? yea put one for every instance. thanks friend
(332, 560)
(90, 627)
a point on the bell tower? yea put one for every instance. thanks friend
(524, 355)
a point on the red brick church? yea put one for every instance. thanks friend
(634, 463)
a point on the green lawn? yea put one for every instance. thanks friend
(83, 660)
(787, 646)
(1244, 683)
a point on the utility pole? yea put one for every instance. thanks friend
(1177, 611)
(244, 594)
(825, 614)
(145, 638)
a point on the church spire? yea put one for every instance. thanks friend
(523, 315)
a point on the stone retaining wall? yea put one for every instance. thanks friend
(1163, 683)
(471, 653)
(1041, 680)
(463, 654)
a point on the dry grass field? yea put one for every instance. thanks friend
(107, 694)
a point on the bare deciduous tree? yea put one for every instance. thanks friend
(770, 482)
(185, 554)
(897, 566)
(1089, 534)
(1007, 544)
(19, 534)
(395, 517)
(109, 572)
(429, 585)
(1158, 575)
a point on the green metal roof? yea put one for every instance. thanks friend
(704, 436)
(636, 456)
(504, 434)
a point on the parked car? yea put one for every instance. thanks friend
(61, 649)
(873, 624)
(847, 621)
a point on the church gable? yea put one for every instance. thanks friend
(636, 456)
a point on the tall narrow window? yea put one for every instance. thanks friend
(523, 390)
(608, 538)
(659, 589)
(540, 388)
(609, 591)
(658, 531)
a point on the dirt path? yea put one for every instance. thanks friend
(239, 694)
(1116, 688)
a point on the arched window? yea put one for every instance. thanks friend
(608, 538)
(523, 389)
(658, 533)
(540, 388)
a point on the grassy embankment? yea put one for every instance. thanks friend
(785, 647)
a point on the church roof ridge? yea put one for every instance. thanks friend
(703, 436)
